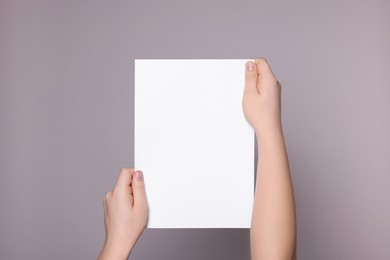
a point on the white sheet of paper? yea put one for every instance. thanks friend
(193, 143)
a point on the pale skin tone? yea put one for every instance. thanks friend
(273, 227)
(125, 215)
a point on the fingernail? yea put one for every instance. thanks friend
(250, 66)
(139, 175)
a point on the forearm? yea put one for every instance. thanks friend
(273, 230)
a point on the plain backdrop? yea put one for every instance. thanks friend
(66, 118)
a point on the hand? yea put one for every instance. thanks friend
(261, 99)
(125, 214)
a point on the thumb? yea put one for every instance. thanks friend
(139, 193)
(251, 76)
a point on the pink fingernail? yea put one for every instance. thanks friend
(139, 175)
(250, 66)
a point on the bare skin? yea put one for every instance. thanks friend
(125, 215)
(273, 228)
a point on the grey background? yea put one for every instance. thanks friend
(66, 118)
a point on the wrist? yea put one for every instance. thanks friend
(270, 135)
(116, 249)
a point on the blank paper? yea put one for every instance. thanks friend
(193, 143)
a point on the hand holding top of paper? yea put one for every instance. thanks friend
(261, 99)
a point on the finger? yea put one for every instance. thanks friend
(264, 70)
(139, 192)
(251, 76)
(263, 67)
(124, 180)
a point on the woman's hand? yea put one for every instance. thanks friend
(261, 99)
(125, 214)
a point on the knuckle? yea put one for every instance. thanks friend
(107, 196)
(125, 170)
(279, 84)
(262, 61)
(274, 81)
